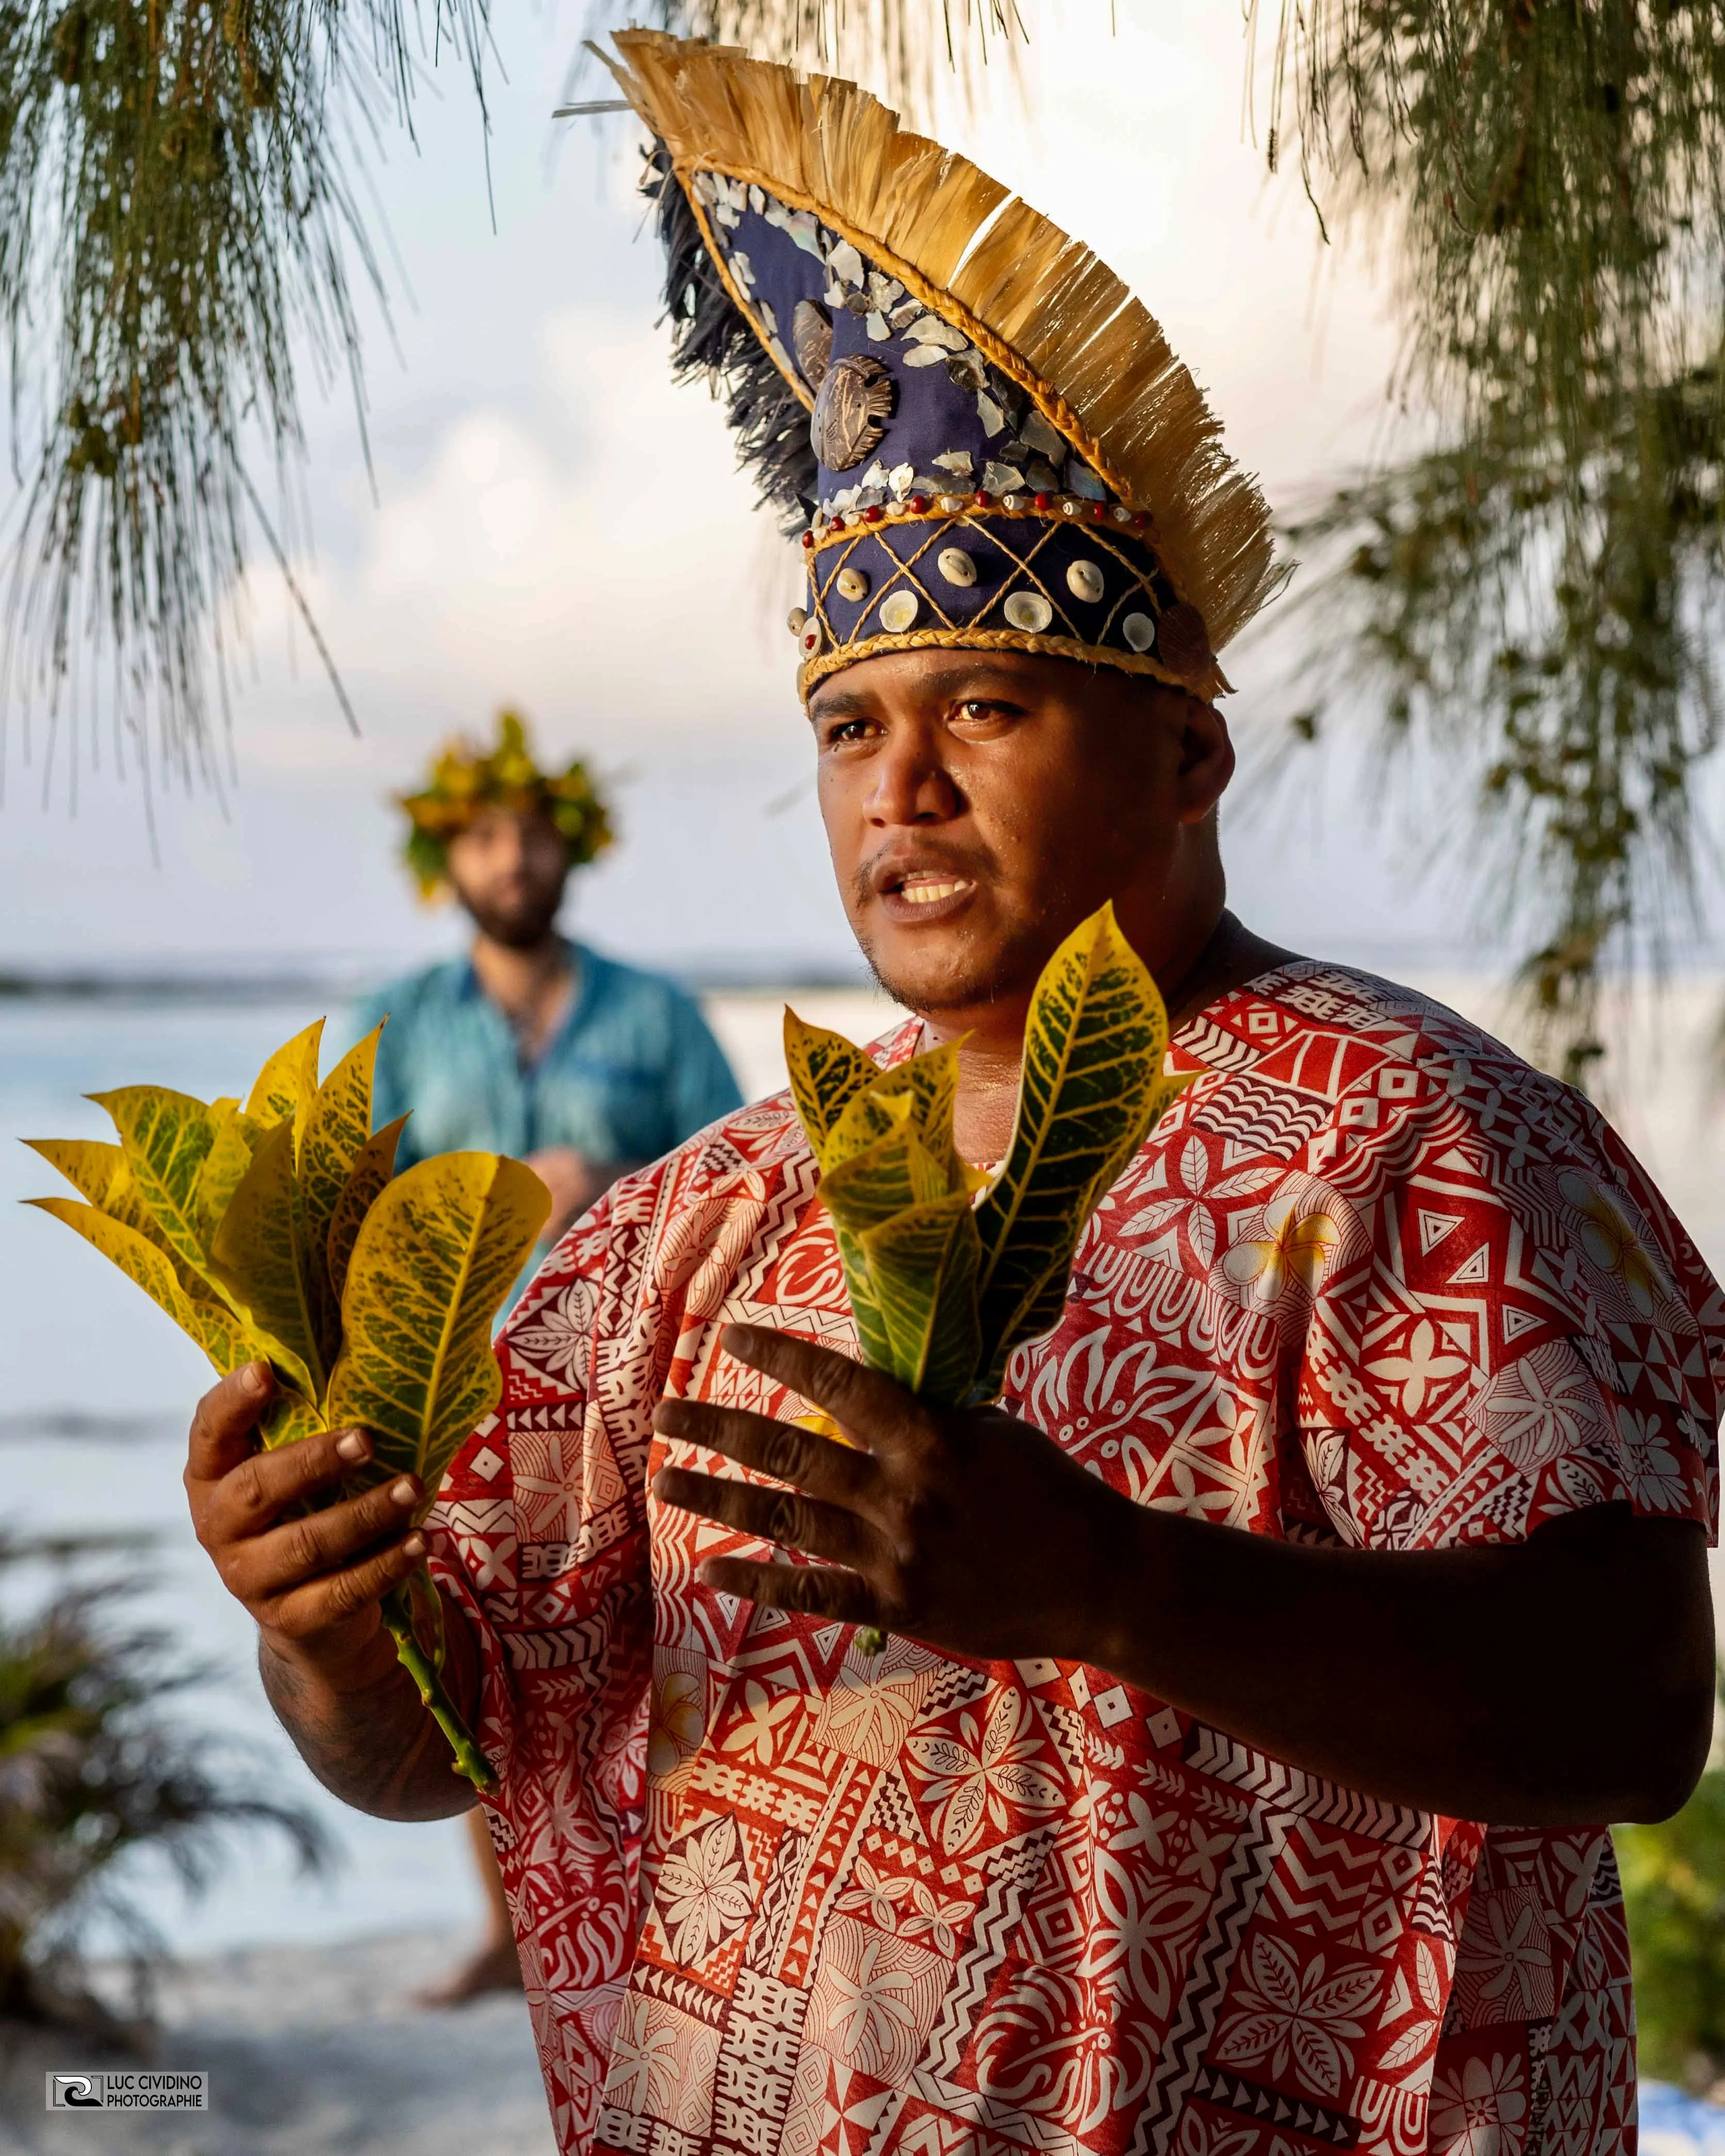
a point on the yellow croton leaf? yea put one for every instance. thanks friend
(339, 1123)
(236, 1137)
(1092, 1085)
(825, 1070)
(943, 1289)
(284, 1089)
(99, 1171)
(260, 1259)
(88, 1164)
(335, 1133)
(434, 1258)
(922, 1268)
(222, 1337)
(167, 1137)
(372, 1167)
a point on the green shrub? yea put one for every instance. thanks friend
(1673, 1893)
(91, 1769)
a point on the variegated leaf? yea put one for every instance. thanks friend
(922, 1269)
(88, 1164)
(167, 1137)
(872, 1112)
(125, 1203)
(337, 1128)
(222, 1336)
(372, 1167)
(258, 1257)
(1093, 1086)
(825, 1069)
(235, 1140)
(284, 1089)
(883, 1178)
(435, 1256)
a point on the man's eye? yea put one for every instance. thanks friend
(975, 707)
(848, 730)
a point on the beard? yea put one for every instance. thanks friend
(521, 924)
(958, 979)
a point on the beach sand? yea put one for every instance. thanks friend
(311, 2051)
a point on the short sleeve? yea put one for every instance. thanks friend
(1507, 1330)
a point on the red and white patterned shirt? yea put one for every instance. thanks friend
(1373, 1281)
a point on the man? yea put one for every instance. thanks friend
(533, 1045)
(1262, 1665)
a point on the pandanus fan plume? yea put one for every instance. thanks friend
(278, 1232)
(950, 1269)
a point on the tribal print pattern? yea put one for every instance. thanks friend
(1373, 1281)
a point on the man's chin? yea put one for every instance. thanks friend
(935, 980)
(515, 931)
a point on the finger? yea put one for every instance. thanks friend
(837, 1472)
(298, 1550)
(252, 1496)
(322, 1605)
(784, 1517)
(225, 1426)
(811, 1590)
(867, 1403)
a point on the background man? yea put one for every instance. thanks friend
(532, 1045)
(1262, 1665)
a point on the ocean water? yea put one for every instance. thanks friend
(96, 1388)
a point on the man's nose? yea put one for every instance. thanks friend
(912, 785)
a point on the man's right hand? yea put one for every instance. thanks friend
(313, 1581)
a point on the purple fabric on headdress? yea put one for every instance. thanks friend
(932, 421)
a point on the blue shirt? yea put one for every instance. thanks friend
(631, 1071)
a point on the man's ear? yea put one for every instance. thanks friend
(1206, 758)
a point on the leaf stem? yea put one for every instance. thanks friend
(401, 1606)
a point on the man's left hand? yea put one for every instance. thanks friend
(964, 1527)
(1402, 1673)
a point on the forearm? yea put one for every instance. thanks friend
(361, 1727)
(1563, 1681)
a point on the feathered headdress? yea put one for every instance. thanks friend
(983, 438)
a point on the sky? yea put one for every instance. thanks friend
(556, 526)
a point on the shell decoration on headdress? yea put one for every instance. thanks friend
(464, 780)
(983, 439)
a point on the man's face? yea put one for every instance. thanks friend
(509, 870)
(979, 805)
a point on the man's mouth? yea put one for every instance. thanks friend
(927, 894)
(928, 886)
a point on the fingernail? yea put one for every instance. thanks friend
(254, 1377)
(353, 1446)
(413, 1546)
(404, 1493)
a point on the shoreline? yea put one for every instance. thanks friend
(310, 2050)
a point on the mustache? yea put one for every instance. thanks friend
(972, 864)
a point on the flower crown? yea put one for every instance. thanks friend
(466, 780)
